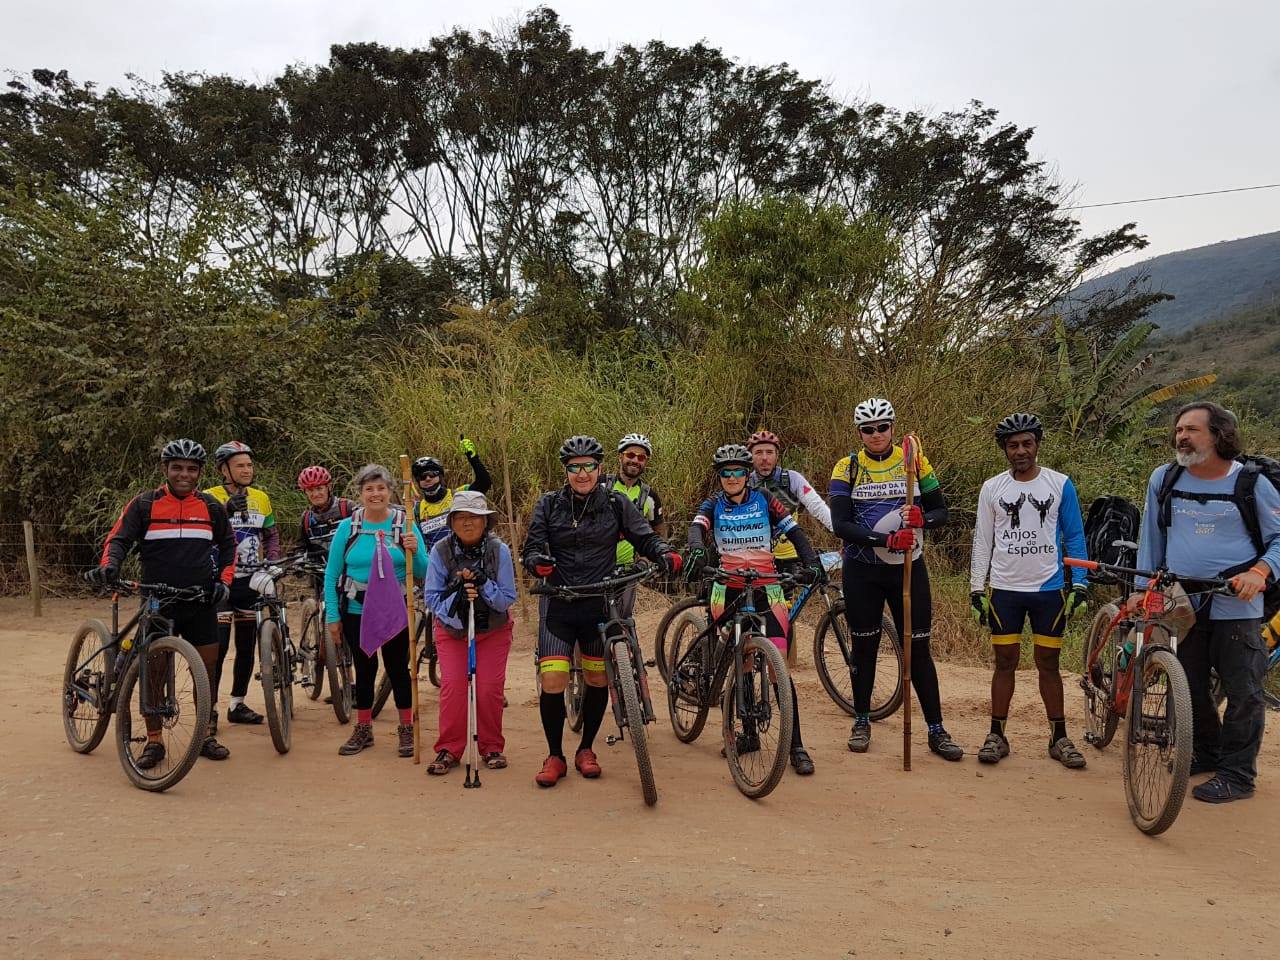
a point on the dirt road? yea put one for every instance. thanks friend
(319, 856)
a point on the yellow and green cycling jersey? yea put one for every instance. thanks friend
(250, 526)
(432, 516)
(647, 502)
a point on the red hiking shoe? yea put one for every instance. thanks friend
(553, 768)
(588, 766)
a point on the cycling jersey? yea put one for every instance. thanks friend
(432, 515)
(647, 502)
(744, 533)
(182, 541)
(257, 539)
(876, 490)
(1023, 530)
(317, 528)
(796, 494)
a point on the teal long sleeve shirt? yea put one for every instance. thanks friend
(360, 557)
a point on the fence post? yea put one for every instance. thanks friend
(33, 570)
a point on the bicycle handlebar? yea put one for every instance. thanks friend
(598, 589)
(752, 577)
(1216, 584)
(161, 590)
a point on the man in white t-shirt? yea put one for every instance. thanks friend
(1028, 520)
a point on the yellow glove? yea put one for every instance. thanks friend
(468, 447)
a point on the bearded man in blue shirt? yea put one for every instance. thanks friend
(1195, 526)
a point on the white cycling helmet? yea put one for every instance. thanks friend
(636, 440)
(875, 410)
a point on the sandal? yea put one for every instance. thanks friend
(442, 764)
(495, 761)
(1065, 752)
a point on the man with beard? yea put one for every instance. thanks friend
(1028, 519)
(1198, 528)
(634, 451)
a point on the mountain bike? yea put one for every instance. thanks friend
(1137, 650)
(144, 675)
(427, 657)
(280, 665)
(733, 662)
(832, 648)
(338, 665)
(624, 665)
(310, 639)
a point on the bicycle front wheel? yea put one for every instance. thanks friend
(574, 693)
(169, 705)
(277, 685)
(1098, 680)
(1157, 754)
(757, 719)
(86, 681)
(679, 618)
(633, 710)
(337, 662)
(310, 649)
(833, 659)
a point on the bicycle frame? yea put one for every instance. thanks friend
(742, 613)
(618, 629)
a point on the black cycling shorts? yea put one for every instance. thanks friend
(1011, 609)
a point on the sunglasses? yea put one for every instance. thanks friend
(582, 467)
(736, 473)
(869, 428)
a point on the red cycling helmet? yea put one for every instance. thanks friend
(763, 436)
(312, 477)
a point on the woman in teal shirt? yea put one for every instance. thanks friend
(346, 576)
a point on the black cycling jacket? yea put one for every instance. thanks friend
(585, 551)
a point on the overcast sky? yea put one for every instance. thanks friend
(1129, 99)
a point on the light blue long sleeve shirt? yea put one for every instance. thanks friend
(1204, 539)
(361, 556)
(498, 592)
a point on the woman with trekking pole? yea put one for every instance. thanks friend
(879, 525)
(471, 582)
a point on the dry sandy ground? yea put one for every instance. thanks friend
(314, 855)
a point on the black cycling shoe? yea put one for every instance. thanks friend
(942, 744)
(801, 761)
(747, 743)
(211, 749)
(151, 755)
(860, 739)
(243, 713)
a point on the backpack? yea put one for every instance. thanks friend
(309, 517)
(1244, 496)
(345, 583)
(1111, 519)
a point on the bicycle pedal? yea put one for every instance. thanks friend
(651, 663)
(611, 739)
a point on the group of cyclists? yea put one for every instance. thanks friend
(1028, 520)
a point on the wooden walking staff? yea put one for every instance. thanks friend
(911, 466)
(407, 478)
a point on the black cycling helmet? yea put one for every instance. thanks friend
(581, 446)
(1016, 423)
(731, 453)
(183, 449)
(230, 449)
(425, 465)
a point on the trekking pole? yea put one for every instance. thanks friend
(407, 479)
(910, 456)
(473, 735)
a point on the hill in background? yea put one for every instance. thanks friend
(1242, 349)
(1209, 283)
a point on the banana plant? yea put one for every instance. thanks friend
(1095, 389)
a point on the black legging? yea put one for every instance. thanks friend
(867, 587)
(395, 658)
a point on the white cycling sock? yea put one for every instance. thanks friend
(235, 702)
